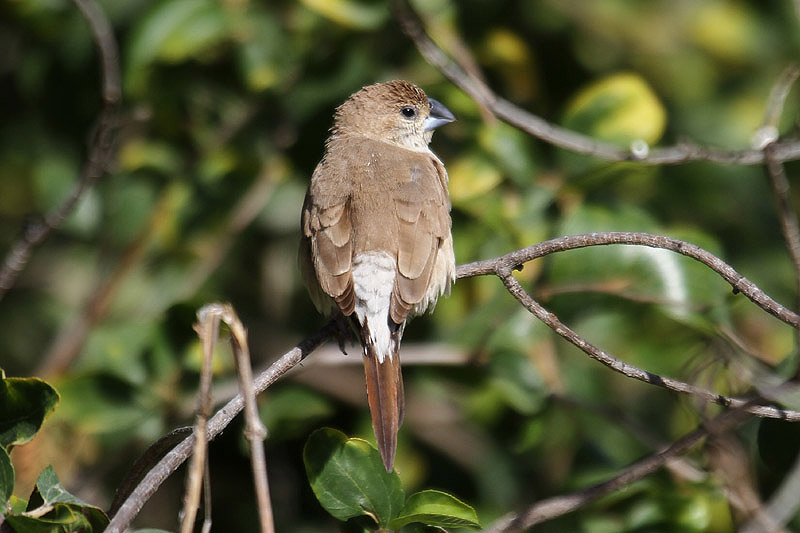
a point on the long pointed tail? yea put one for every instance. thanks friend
(386, 401)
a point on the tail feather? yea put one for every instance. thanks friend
(386, 400)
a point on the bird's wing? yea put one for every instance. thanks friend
(422, 210)
(328, 236)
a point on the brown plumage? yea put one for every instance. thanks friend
(376, 241)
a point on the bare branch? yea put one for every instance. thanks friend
(560, 505)
(768, 135)
(564, 138)
(155, 476)
(784, 501)
(504, 265)
(101, 149)
(788, 219)
(739, 283)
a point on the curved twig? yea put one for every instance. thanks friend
(739, 283)
(552, 321)
(571, 140)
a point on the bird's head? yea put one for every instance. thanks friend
(397, 112)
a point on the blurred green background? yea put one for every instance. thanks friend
(226, 107)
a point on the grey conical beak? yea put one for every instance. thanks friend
(439, 116)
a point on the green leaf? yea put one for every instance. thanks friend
(52, 491)
(24, 404)
(16, 505)
(436, 508)
(6, 477)
(348, 477)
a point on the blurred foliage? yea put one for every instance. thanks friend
(226, 107)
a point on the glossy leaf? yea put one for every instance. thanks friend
(24, 404)
(438, 509)
(51, 490)
(348, 477)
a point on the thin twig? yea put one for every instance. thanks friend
(562, 137)
(784, 502)
(775, 103)
(102, 146)
(207, 328)
(156, 475)
(767, 135)
(502, 267)
(560, 505)
(788, 220)
(254, 432)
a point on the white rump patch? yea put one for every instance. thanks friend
(373, 282)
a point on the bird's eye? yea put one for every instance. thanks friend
(409, 112)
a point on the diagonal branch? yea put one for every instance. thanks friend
(552, 321)
(562, 137)
(150, 479)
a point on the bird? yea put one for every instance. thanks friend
(376, 245)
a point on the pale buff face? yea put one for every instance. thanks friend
(392, 112)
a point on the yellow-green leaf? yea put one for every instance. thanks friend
(471, 177)
(348, 13)
(619, 108)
